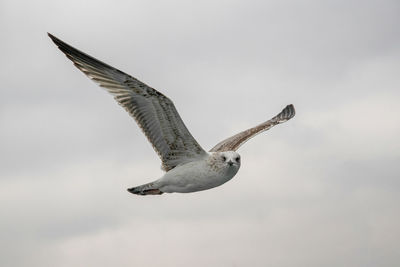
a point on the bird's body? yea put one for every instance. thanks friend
(188, 167)
(214, 169)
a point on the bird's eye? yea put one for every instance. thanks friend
(223, 158)
(237, 159)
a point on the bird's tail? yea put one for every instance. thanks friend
(145, 189)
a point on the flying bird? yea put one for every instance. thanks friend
(188, 167)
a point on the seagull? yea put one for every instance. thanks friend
(188, 167)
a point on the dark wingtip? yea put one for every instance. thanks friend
(291, 110)
(53, 38)
(76, 55)
(287, 113)
(61, 45)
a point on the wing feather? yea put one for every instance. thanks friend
(155, 114)
(234, 142)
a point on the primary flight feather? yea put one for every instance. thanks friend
(189, 168)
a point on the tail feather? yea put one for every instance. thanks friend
(146, 189)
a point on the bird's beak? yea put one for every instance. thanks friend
(230, 163)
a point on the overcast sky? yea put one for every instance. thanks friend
(319, 190)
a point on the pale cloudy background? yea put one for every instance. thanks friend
(320, 190)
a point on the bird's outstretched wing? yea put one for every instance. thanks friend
(154, 113)
(234, 142)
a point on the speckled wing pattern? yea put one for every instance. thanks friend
(234, 142)
(155, 114)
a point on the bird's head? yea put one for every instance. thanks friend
(229, 159)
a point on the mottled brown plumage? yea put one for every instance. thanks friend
(155, 114)
(234, 142)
